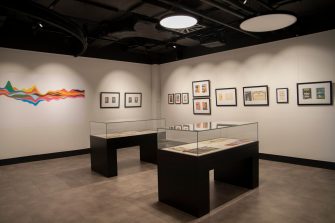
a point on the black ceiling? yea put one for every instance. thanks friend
(129, 30)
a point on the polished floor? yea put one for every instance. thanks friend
(65, 190)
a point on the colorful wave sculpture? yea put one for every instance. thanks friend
(33, 96)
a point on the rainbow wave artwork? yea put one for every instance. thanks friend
(34, 97)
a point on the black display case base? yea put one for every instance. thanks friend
(183, 180)
(104, 151)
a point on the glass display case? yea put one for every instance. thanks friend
(107, 137)
(207, 137)
(116, 129)
(186, 154)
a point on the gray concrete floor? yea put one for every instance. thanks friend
(65, 190)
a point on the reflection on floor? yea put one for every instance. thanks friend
(65, 190)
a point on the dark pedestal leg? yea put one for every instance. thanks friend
(182, 184)
(148, 149)
(103, 160)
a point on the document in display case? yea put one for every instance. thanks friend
(188, 152)
(107, 137)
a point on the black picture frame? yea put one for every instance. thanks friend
(172, 97)
(128, 103)
(286, 101)
(225, 89)
(249, 99)
(187, 96)
(176, 96)
(197, 111)
(106, 96)
(197, 84)
(311, 98)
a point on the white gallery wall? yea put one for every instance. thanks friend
(63, 125)
(284, 129)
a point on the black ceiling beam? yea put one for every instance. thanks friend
(237, 5)
(224, 9)
(53, 4)
(191, 11)
(264, 5)
(43, 14)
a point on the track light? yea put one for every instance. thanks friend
(40, 24)
(245, 2)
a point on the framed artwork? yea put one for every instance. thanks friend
(186, 127)
(315, 93)
(201, 106)
(226, 97)
(132, 100)
(109, 100)
(201, 88)
(171, 98)
(256, 95)
(178, 127)
(185, 98)
(177, 98)
(282, 95)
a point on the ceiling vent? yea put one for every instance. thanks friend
(188, 30)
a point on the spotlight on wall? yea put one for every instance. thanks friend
(178, 22)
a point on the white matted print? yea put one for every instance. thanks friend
(226, 97)
(109, 99)
(132, 100)
(282, 95)
(201, 88)
(315, 93)
(185, 98)
(201, 106)
(256, 95)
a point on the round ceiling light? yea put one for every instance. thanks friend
(178, 22)
(270, 22)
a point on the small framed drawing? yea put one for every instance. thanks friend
(185, 98)
(132, 100)
(177, 98)
(109, 100)
(186, 127)
(315, 93)
(256, 95)
(226, 97)
(282, 95)
(201, 88)
(201, 106)
(171, 98)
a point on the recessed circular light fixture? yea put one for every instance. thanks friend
(266, 23)
(178, 22)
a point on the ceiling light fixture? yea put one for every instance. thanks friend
(40, 25)
(266, 23)
(178, 22)
(245, 2)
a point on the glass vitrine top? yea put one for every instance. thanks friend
(205, 126)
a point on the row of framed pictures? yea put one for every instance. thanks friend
(308, 93)
(112, 100)
(178, 98)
